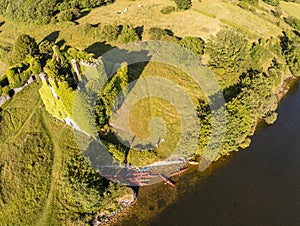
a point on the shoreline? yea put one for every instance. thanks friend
(285, 87)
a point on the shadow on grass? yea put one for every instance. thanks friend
(60, 43)
(52, 37)
(99, 48)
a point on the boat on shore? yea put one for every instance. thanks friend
(194, 163)
(180, 171)
(167, 180)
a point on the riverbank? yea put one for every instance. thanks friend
(191, 177)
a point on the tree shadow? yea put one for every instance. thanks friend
(296, 33)
(99, 48)
(2, 23)
(95, 25)
(139, 30)
(60, 43)
(52, 37)
(231, 92)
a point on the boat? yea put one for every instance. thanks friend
(194, 163)
(167, 180)
(179, 171)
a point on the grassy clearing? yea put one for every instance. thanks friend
(291, 8)
(157, 103)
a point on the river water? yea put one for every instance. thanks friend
(257, 186)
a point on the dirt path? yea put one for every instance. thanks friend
(55, 134)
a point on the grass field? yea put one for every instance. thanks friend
(204, 19)
(291, 8)
(146, 102)
(38, 159)
(3, 68)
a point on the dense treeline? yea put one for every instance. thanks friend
(44, 11)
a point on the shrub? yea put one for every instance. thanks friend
(45, 47)
(243, 5)
(293, 22)
(128, 34)
(65, 16)
(167, 9)
(5, 90)
(277, 12)
(194, 44)
(183, 4)
(109, 32)
(271, 117)
(155, 33)
(272, 2)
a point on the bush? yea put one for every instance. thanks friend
(65, 16)
(277, 12)
(293, 22)
(251, 2)
(270, 118)
(272, 2)
(243, 5)
(155, 33)
(13, 78)
(45, 47)
(194, 44)
(5, 90)
(109, 32)
(183, 4)
(128, 34)
(167, 9)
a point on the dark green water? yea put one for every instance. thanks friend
(257, 186)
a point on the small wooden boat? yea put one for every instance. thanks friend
(179, 171)
(194, 163)
(167, 180)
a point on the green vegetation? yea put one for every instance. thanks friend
(272, 2)
(45, 180)
(167, 9)
(194, 44)
(24, 46)
(293, 22)
(229, 59)
(251, 60)
(183, 4)
(45, 11)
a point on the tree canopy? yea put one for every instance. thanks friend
(24, 46)
(227, 50)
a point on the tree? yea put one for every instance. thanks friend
(183, 4)
(194, 44)
(227, 50)
(13, 78)
(24, 46)
(109, 32)
(128, 34)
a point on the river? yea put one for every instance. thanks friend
(256, 186)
